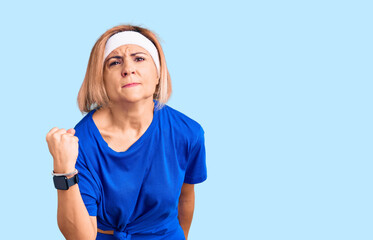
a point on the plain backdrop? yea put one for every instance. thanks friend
(283, 90)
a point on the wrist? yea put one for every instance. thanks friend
(62, 169)
(65, 181)
(69, 174)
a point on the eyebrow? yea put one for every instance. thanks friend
(132, 54)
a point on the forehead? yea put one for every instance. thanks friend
(128, 49)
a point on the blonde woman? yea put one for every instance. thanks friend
(127, 169)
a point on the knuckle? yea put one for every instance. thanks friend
(55, 137)
(65, 136)
(50, 132)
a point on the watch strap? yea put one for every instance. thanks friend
(73, 180)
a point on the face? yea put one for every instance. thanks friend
(130, 64)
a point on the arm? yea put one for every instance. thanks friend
(186, 207)
(72, 216)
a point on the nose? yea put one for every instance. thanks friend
(127, 72)
(128, 69)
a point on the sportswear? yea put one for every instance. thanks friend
(136, 192)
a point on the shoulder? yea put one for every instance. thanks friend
(82, 125)
(83, 130)
(182, 124)
(87, 143)
(181, 119)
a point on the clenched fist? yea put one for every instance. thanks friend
(64, 147)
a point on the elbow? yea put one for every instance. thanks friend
(72, 232)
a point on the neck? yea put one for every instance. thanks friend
(131, 116)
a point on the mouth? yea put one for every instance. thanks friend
(130, 85)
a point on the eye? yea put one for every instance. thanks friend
(139, 59)
(114, 63)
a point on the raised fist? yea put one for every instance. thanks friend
(64, 147)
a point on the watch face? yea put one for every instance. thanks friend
(60, 182)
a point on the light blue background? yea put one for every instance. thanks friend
(283, 90)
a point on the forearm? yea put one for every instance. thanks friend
(186, 210)
(72, 216)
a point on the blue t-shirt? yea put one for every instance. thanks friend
(136, 192)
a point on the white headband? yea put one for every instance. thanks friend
(132, 37)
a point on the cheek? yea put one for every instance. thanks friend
(152, 80)
(152, 76)
(150, 69)
(109, 84)
(110, 77)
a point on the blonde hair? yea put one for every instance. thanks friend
(92, 93)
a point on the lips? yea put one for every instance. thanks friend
(130, 85)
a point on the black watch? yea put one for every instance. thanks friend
(63, 183)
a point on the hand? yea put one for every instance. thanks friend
(64, 147)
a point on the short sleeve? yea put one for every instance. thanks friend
(196, 171)
(87, 186)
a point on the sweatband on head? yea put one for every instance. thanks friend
(132, 37)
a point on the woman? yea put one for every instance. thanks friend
(127, 170)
